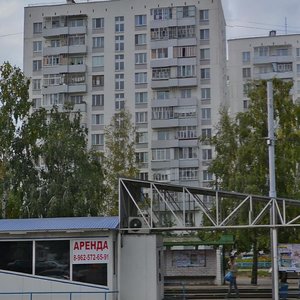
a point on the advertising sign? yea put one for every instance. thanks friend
(90, 251)
(289, 257)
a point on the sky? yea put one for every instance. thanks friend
(244, 18)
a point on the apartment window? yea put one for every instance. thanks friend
(119, 101)
(97, 80)
(140, 39)
(36, 65)
(37, 27)
(206, 113)
(98, 100)
(74, 78)
(206, 133)
(162, 175)
(206, 154)
(261, 51)
(76, 22)
(37, 46)
(97, 119)
(53, 99)
(76, 60)
(207, 176)
(36, 103)
(98, 42)
(298, 52)
(182, 32)
(159, 53)
(142, 137)
(185, 93)
(246, 89)
(205, 73)
(51, 60)
(119, 24)
(163, 135)
(182, 112)
(119, 43)
(246, 56)
(185, 12)
(282, 51)
(141, 117)
(140, 58)
(204, 34)
(98, 61)
(205, 93)
(140, 78)
(162, 13)
(163, 95)
(204, 54)
(76, 99)
(141, 97)
(97, 139)
(36, 84)
(186, 71)
(119, 81)
(187, 132)
(187, 153)
(119, 62)
(162, 113)
(143, 176)
(188, 173)
(298, 68)
(55, 43)
(204, 15)
(98, 23)
(161, 73)
(140, 20)
(245, 104)
(141, 157)
(184, 51)
(75, 40)
(52, 79)
(246, 72)
(161, 154)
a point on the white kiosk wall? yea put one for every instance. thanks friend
(141, 267)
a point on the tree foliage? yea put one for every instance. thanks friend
(119, 159)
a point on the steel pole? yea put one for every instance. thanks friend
(272, 191)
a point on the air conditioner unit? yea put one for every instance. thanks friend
(138, 225)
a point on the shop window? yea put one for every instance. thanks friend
(90, 273)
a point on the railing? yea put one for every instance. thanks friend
(69, 294)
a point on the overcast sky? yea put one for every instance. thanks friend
(244, 18)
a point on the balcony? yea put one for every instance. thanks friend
(59, 69)
(174, 102)
(173, 22)
(192, 121)
(64, 50)
(57, 31)
(270, 75)
(174, 82)
(64, 88)
(165, 143)
(272, 59)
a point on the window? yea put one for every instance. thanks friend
(161, 154)
(206, 154)
(141, 117)
(36, 84)
(162, 113)
(36, 103)
(282, 52)
(187, 152)
(36, 65)
(140, 58)
(98, 61)
(119, 43)
(204, 54)
(97, 139)
(159, 53)
(140, 20)
(141, 157)
(142, 137)
(140, 39)
(205, 93)
(186, 93)
(298, 68)
(75, 40)
(206, 133)
(162, 175)
(246, 56)
(184, 51)
(76, 60)
(98, 42)
(162, 13)
(204, 15)
(182, 112)
(246, 72)
(204, 34)
(52, 79)
(163, 135)
(119, 101)
(261, 51)
(186, 71)
(205, 73)
(53, 99)
(98, 80)
(76, 22)
(188, 173)
(141, 97)
(206, 113)
(119, 62)
(98, 100)
(119, 24)
(97, 119)
(74, 78)
(51, 60)
(245, 104)
(187, 132)
(298, 52)
(119, 81)
(98, 23)
(140, 78)
(161, 73)
(185, 11)
(207, 176)
(37, 27)
(143, 176)
(37, 46)
(55, 43)
(76, 99)
(163, 95)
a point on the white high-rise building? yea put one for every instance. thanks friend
(262, 58)
(163, 60)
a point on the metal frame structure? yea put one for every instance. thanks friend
(162, 207)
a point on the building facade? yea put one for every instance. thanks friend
(165, 61)
(262, 58)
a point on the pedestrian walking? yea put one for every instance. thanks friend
(232, 267)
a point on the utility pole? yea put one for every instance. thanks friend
(272, 191)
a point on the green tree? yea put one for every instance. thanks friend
(119, 158)
(241, 162)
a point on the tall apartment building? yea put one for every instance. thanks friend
(163, 60)
(262, 58)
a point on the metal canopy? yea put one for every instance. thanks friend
(160, 206)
